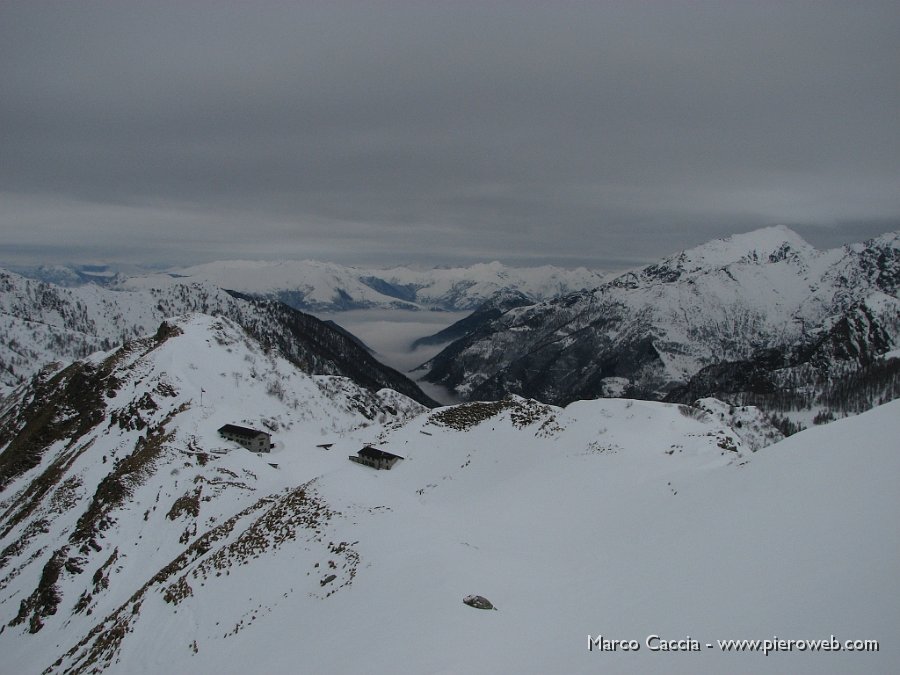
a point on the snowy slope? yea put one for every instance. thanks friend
(619, 517)
(41, 322)
(105, 463)
(322, 286)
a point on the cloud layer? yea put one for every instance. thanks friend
(589, 133)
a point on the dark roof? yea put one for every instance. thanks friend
(374, 453)
(240, 431)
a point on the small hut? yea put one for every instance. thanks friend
(377, 459)
(252, 439)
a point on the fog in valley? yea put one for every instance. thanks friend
(390, 334)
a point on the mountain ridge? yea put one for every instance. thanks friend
(323, 287)
(41, 322)
(650, 330)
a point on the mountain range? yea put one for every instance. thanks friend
(760, 318)
(312, 285)
(765, 297)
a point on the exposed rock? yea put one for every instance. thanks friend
(764, 300)
(478, 602)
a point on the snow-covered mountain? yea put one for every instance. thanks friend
(319, 286)
(41, 322)
(102, 274)
(648, 331)
(134, 539)
(846, 366)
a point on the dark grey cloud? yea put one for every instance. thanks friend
(588, 133)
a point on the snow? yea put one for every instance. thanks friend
(757, 245)
(611, 517)
(40, 322)
(722, 301)
(615, 517)
(328, 286)
(556, 543)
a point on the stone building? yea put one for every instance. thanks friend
(377, 459)
(252, 439)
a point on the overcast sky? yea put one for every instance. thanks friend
(602, 134)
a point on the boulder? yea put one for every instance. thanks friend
(478, 602)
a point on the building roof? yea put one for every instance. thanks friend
(374, 453)
(240, 431)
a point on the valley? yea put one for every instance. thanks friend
(390, 333)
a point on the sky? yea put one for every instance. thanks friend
(604, 134)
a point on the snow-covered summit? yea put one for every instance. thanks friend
(768, 244)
